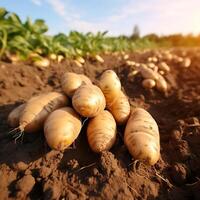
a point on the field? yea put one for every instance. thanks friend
(29, 169)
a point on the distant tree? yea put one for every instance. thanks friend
(136, 33)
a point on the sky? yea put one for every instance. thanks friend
(117, 16)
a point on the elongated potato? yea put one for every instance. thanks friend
(70, 82)
(38, 108)
(148, 73)
(62, 127)
(142, 136)
(13, 117)
(120, 109)
(101, 132)
(88, 100)
(161, 84)
(164, 67)
(110, 86)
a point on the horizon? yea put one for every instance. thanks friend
(155, 16)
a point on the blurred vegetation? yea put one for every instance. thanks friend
(30, 39)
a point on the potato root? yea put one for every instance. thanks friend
(142, 136)
(88, 100)
(101, 132)
(70, 82)
(120, 109)
(14, 115)
(61, 128)
(110, 86)
(38, 108)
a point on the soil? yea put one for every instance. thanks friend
(29, 169)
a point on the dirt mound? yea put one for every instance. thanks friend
(30, 170)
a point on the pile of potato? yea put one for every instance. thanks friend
(155, 69)
(61, 116)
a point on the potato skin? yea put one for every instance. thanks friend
(14, 115)
(120, 109)
(101, 132)
(110, 86)
(62, 127)
(142, 136)
(88, 100)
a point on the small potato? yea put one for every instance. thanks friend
(78, 63)
(164, 67)
(80, 60)
(142, 136)
(99, 58)
(132, 73)
(88, 100)
(101, 132)
(148, 73)
(42, 63)
(154, 59)
(60, 58)
(186, 62)
(167, 56)
(126, 56)
(161, 84)
(130, 63)
(13, 117)
(62, 127)
(149, 59)
(53, 56)
(120, 109)
(110, 86)
(148, 83)
(177, 59)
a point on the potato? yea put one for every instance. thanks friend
(110, 86)
(101, 132)
(88, 100)
(120, 109)
(62, 127)
(38, 108)
(42, 63)
(186, 62)
(142, 136)
(148, 73)
(161, 84)
(164, 67)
